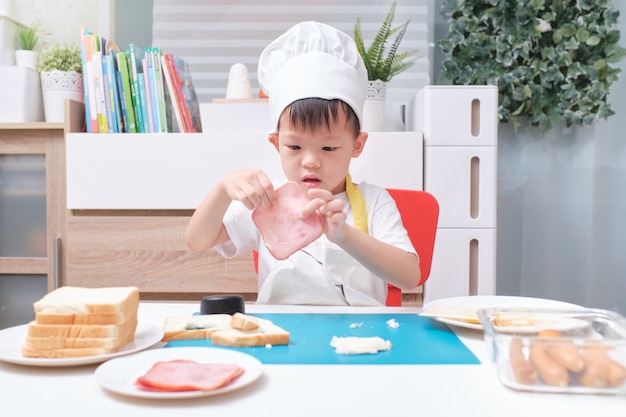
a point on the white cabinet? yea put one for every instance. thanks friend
(460, 127)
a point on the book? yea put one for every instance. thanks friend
(147, 97)
(185, 93)
(97, 44)
(135, 68)
(91, 117)
(128, 108)
(191, 106)
(144, 103)
(160, 90)
(150, 77)
(110, 63)
(166, 66)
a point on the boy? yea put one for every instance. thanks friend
(316, 83)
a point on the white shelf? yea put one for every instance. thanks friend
(175, 171)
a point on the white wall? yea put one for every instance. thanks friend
(59, 21)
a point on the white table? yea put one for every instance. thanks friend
(303, 390)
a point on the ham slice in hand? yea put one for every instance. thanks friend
(187, 375)
(283, 232)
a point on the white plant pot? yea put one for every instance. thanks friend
(28, 59)
(56, 87)
(374, 108)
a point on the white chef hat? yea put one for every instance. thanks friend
(312, 60)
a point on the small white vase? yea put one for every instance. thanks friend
(374, 108)
(56, 87)
(28, 59)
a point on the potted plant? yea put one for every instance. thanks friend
(25, 54)
(552, 61)
(383, 62)
(60, 68)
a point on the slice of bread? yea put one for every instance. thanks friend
(194, 327)
(31, 352)
(266, 334)
(81, 331)
(82, 319)
(79, 300)
(244, 322)
(78, 342)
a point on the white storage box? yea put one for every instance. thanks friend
(464, 181)
(20, 100)
(455, 115)
(463, 264)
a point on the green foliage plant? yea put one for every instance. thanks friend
(27, 38)
(60, 57)
(382, 63)
(552, 60)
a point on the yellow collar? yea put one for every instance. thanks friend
(357, 203)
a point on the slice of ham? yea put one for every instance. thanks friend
(283, 232)
(187, 375)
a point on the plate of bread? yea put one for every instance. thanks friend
(462, 311)
(181, 372)
(79, 326)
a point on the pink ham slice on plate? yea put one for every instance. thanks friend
(283, 232)
(187, 375)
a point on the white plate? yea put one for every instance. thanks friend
(11, 341)
(119, 375)
(468, 306)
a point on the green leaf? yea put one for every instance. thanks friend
(582, 35)
(382, 63)
(568, 30)
(593, 41)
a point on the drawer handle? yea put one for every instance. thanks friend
(57, 262)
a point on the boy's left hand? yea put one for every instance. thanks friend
(331, 210)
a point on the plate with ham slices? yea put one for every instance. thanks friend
(174, 373)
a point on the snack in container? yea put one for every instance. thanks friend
(557, 351)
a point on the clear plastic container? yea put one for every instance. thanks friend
(557, 351)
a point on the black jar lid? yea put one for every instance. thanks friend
(222, 304)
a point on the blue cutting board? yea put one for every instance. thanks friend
(417, 341)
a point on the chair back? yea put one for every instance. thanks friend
(419, 211)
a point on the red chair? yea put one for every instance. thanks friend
(420, 212)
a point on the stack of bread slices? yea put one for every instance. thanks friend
(73, 322)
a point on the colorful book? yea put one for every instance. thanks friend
(123, 111)
(128, 108)
(144, 103)
(91, 117)
(160, 90)
(186, 94)
(110, 62)
(134, 60)
(151, 90)
(148, 96)
(167, 67)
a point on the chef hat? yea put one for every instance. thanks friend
(312, 60)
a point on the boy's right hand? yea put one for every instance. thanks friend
(252, 187)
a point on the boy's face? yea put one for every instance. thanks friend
(319, 159)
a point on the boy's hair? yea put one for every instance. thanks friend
(313, 113)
